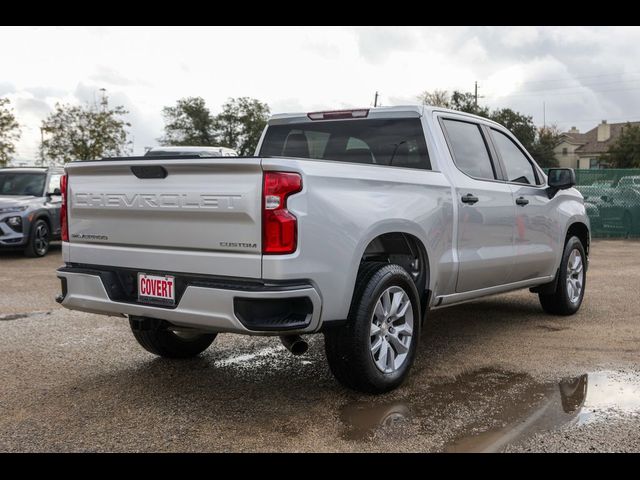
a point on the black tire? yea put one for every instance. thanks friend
(558, 302)
(156, 337)
(39, 239)
(348, 348)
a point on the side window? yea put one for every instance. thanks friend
(469, 149)
(54, 182)
(518, 166)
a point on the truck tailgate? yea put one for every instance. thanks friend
(196, 216)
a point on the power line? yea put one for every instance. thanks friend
(583, 85)
(631, 119)
(636, 72)
(585, 90)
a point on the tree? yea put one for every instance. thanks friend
(466, 102)
(542, 150)
(625, 151)
(188, 123)
(240, 124)
(538, 142)
(520, 125)
(437, 98)
(85, 132)
(9, 132)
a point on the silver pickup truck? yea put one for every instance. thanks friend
(350, 223)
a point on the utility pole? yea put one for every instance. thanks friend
(475, 94)
(41, 149)
(104, 101)
(544, 116)
(375, 101)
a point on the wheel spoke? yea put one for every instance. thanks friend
(572, 259)
(397, 344)
(376, 346)
(375, 329)
(576, 261)
(382, 358)
(386, 302)
(395, 304)
(391, 357)
(404, 330)
(378, 311)
(403, 310)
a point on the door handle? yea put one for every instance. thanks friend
(522, 201)
(469, 198)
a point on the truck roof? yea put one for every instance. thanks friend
(202, 151)
(32, 169)
(399, 111)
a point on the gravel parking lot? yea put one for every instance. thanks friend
(491, 375)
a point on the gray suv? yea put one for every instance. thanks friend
(30, 204)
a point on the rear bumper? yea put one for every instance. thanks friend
(215, 306)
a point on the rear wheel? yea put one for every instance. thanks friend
(373, 352)
(567, 298)
(39, 239)
(159, 338)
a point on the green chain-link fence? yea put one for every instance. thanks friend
(612, 198)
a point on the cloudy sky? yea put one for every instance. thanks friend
(582, 74)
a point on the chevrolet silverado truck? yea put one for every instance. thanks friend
(351, 223)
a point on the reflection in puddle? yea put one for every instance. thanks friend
(364, 418)
(517, 404)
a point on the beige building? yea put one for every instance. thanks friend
(585, 150)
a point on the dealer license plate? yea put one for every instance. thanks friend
(156, 289)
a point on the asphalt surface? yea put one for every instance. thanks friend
(491, 375)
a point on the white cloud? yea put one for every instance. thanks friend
(311, 68)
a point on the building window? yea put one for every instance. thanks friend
(564, 151)
(597, 163)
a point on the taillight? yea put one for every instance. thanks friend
(279, 226)
(338, 114)
(64, 221)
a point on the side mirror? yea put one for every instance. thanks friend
(560, 179)
(56, 191)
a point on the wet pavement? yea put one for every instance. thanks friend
(492, 375)
(523, 407)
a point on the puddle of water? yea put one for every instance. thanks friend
(364, 419)
(610, 392)
(505, 407)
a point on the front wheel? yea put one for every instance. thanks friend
(159, 338)
(567, 298)
(39, 239)
(373, 352)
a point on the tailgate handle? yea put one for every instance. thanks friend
(149, 171)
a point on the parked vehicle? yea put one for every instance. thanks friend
(30, 203)
(595, 198)
(619, 206)
(351, 223)
(176, 152)
(593, 212)
(629, 181)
